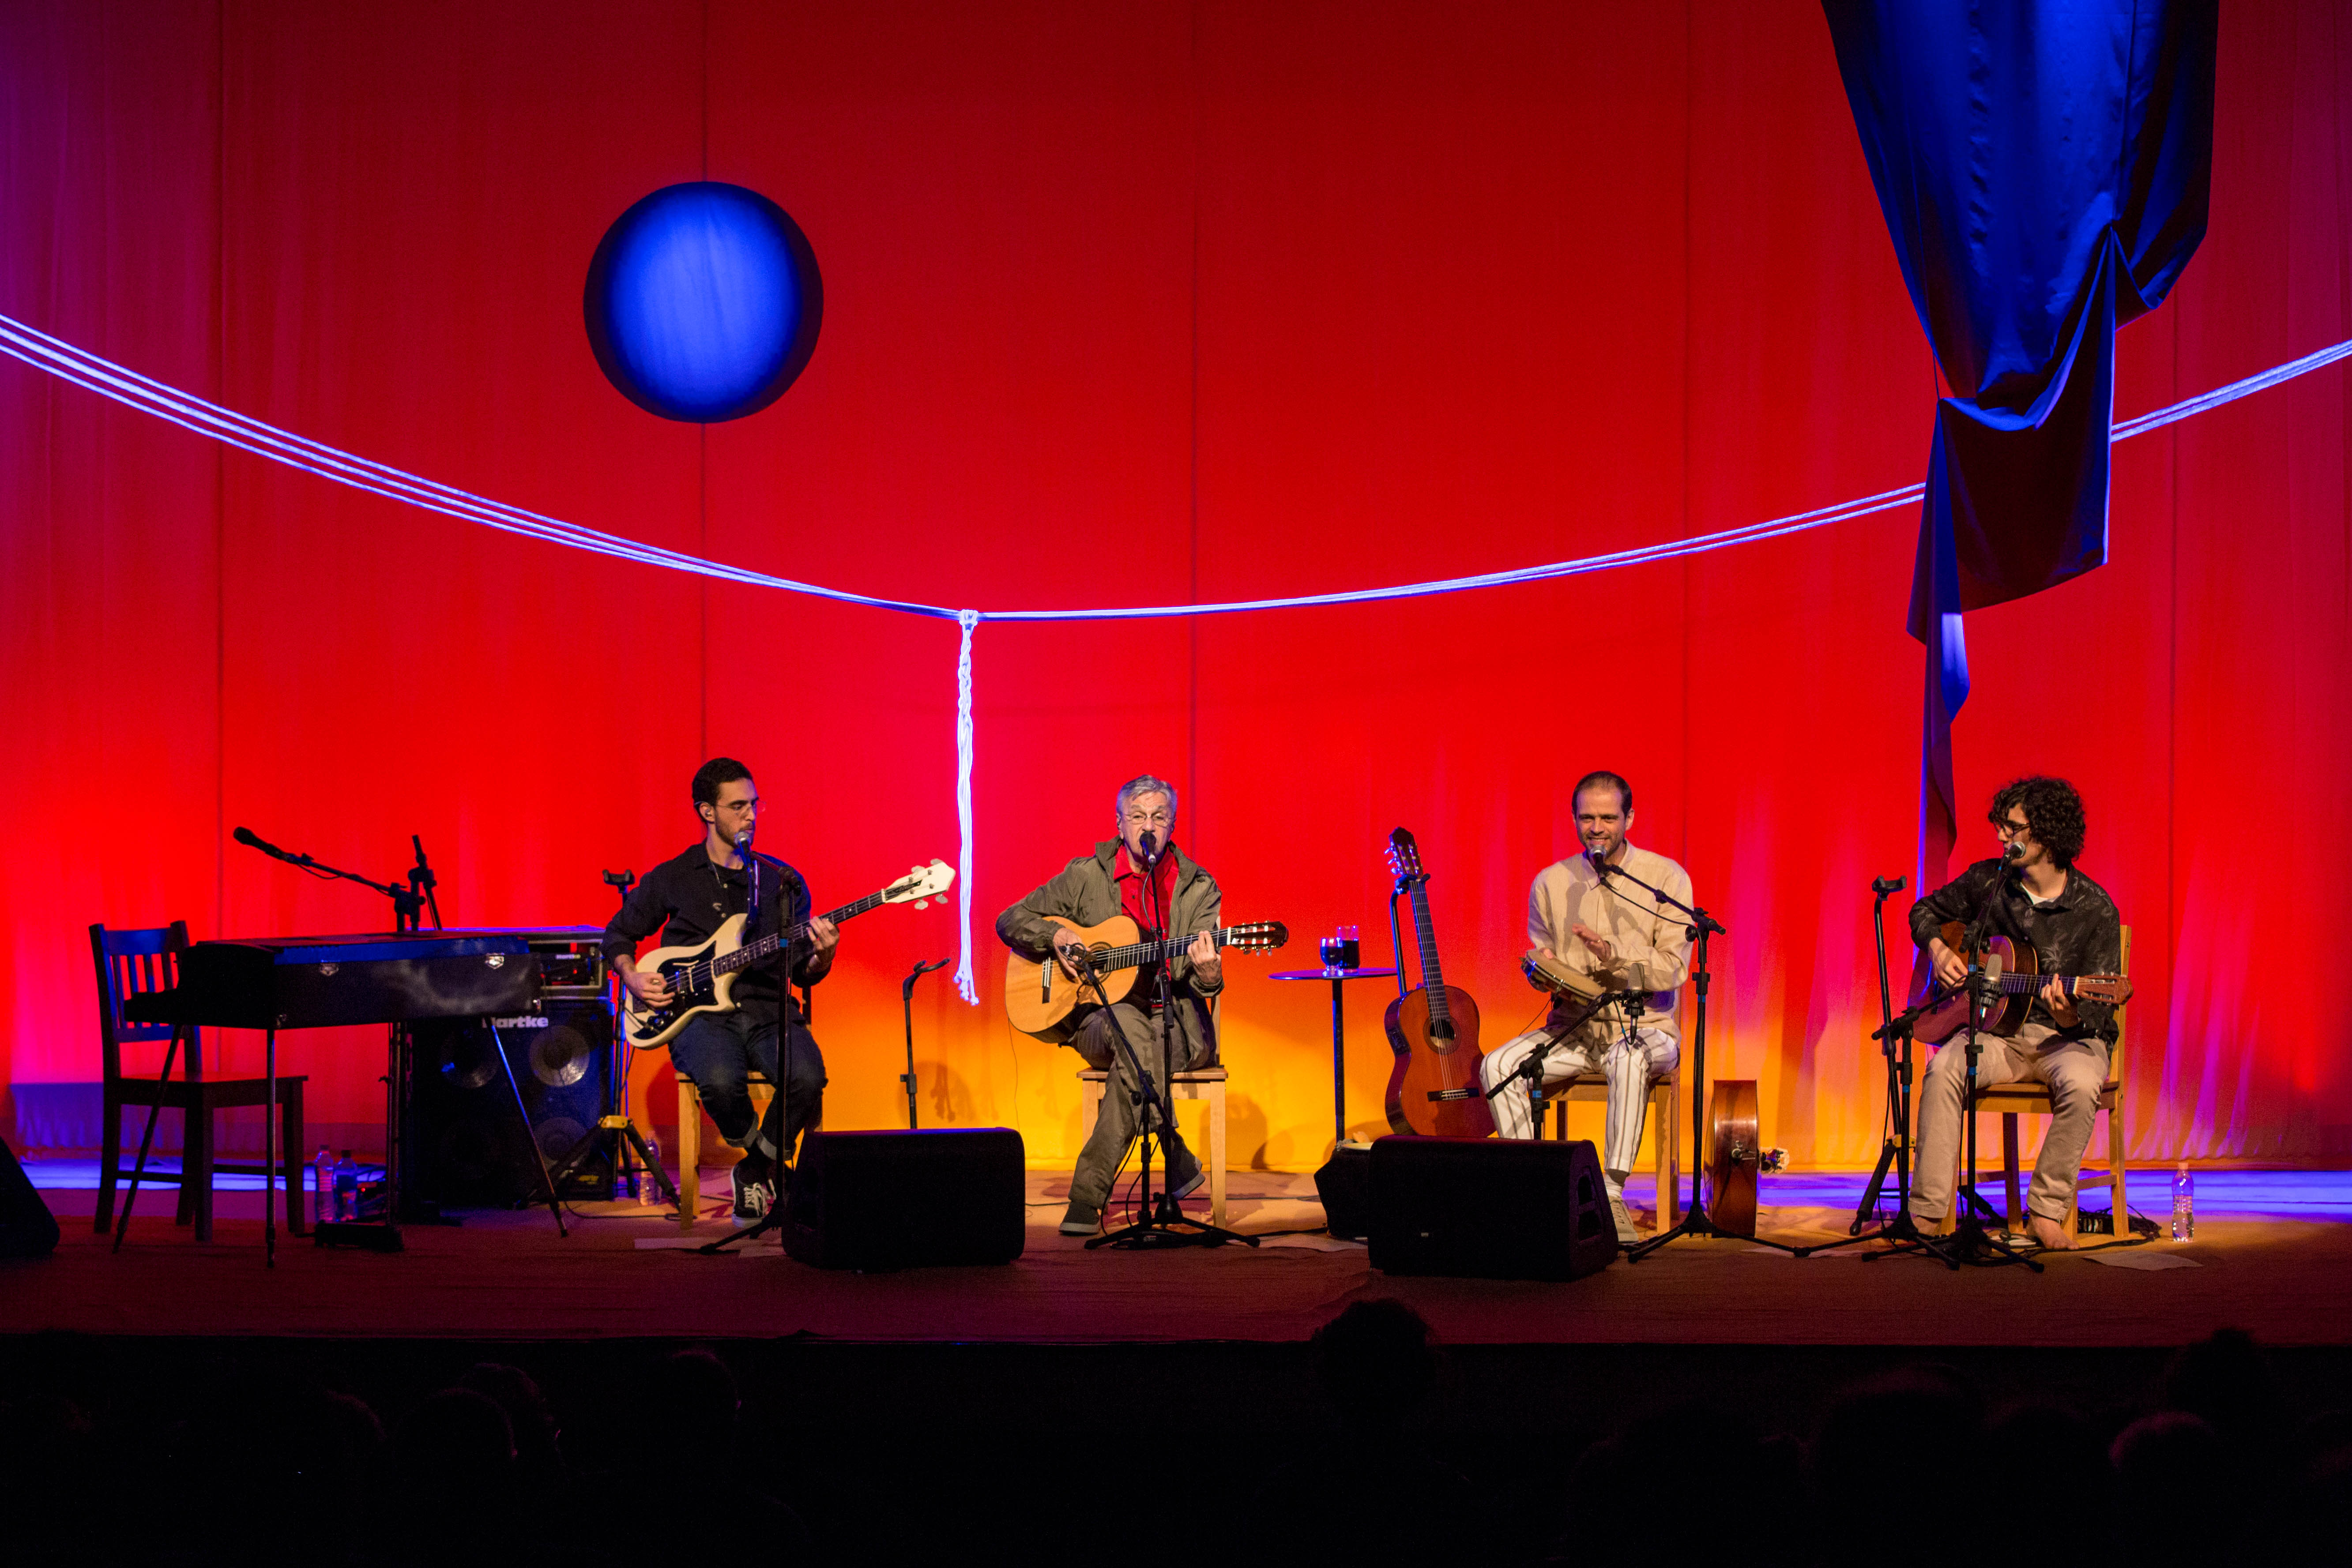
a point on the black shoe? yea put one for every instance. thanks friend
(1082, 1218)
(755, 1193)
(1185, 1186)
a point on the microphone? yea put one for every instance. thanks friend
(1601, 867)
(1150, 842)
(743, 844)
(252, 840)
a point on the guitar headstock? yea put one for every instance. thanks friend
(2112, 989)
(1258, 936)
(924, 882)
(1404, 859)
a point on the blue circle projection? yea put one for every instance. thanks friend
(703, 302)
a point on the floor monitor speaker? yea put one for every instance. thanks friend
(466, 1149)
(905, 1200)
(1345, 1186)
(27, 1228)
(1489, 1209)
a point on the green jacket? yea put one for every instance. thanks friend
(1086, 894)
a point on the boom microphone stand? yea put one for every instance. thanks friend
(614, 1130)
(1694, 1221)
(1894, 1037)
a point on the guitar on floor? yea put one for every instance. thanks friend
(2015, 975)
(702, 979)
(1434, 1089)
(1039, 995)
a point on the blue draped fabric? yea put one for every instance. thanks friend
(2043, 167)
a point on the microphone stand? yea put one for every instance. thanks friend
(1970, 1241)
(1696, 1220)
(1156, 1230)
(907, 999)
(1895, 1040)
(774, 1218)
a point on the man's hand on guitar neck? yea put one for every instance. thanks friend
(1207, 967)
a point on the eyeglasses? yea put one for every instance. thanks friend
(2012, 829)
(1155, 819)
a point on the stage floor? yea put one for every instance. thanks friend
(2272, 1255)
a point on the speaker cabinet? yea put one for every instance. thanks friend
(27, 1228)
(465, 1147)
(1345, 1186)
(1489, 1209)
(906, 1200)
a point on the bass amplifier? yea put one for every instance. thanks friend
(1489, 1209)
(907, 1200)
(465, 1147)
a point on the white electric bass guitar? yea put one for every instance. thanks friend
(702, 979)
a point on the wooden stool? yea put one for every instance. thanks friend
(689, 1139)
(1665, 1100)
(1200, 1083)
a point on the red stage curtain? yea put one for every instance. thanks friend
(1136, 304)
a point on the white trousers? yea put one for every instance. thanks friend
(1630, 1065)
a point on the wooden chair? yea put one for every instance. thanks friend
(1665, 1118)
(2014, 1098)
(690, 1140)
(130, 963)
(1200, 1083)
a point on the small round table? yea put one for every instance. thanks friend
(1338, 978)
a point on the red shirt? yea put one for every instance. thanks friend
(1131, 899)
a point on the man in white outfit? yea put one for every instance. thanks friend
(1621, 939)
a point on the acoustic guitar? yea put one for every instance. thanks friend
(1040, 995)
(702, 979)
(2013, 975)
(1433, 1086)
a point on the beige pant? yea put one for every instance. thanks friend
(2073, 1071)
(1630, 1065)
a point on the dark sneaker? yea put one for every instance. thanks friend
(754, 1195)
(1183, 1184)
(1082, 1218)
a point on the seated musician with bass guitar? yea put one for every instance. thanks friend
(1142, 874)
(2040, 901)
(1608, 936)
(696, 893)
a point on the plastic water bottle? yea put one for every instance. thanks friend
(2184, 1203)
(322, 1183)
(648, 1181)
(346, 1188)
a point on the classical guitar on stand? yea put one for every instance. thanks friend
(1039, 995)
(702, 979)
(2013, 975)
(1433, 1088)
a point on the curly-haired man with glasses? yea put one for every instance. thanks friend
(2038, 898)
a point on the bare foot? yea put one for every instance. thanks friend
(2049, 1235)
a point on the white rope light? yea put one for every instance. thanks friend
(128, 387)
